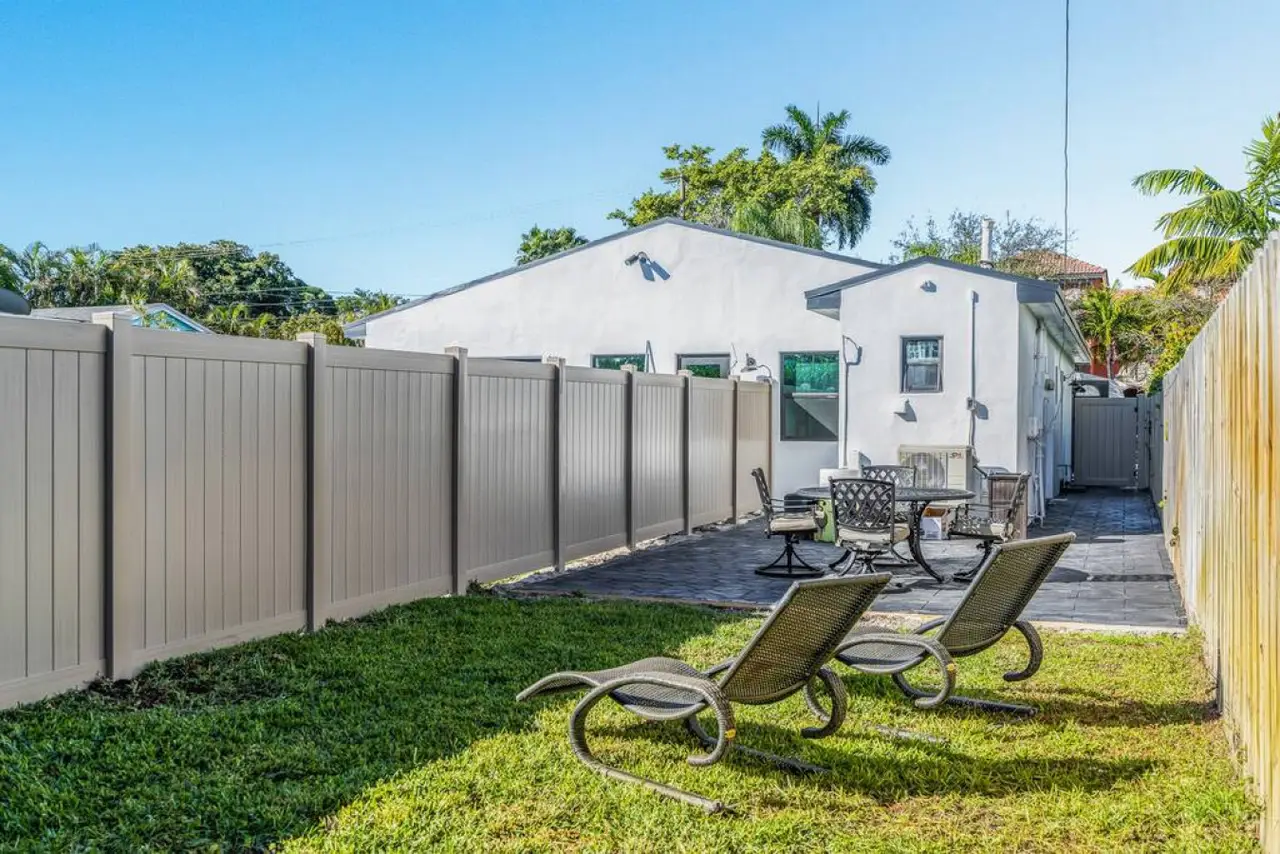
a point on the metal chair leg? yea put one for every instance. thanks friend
(789, 564)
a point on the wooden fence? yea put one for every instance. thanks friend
(1220, 481)
(163, 493)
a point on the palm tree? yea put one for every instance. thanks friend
(1113, 324)
(1212, 239)
(805, 137)
(787, 224)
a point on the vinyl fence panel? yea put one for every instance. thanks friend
(52, 482)
(210, 480)
(711, 435)
(383, 515)
(1221, 481)
(754, 440)
(594, 500)
(509, 468)
(658, 455)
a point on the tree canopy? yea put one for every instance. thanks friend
(225, 285)
(1213, 238)
(544, 242)
(961, 237)
(808, 169)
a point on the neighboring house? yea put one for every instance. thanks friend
(158, 315)
(664, 296)
(1071, 274)
(938, 354)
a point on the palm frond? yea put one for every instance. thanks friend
(1186, 182)
(864, 149)
(1222, 213)
(783, 140)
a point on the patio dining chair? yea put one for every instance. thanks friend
(991, 607)
(992, 521)
(900, 477)
(866, 524)
(792, 524)
(787, 654)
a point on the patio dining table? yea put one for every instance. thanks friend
(919, 497)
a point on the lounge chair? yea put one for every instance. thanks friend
(991, 607)
(786, 655)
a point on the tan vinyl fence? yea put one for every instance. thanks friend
(163, 493)
(1221, 484)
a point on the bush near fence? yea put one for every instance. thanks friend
(163, 493)
(1220, 485)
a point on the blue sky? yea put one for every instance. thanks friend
(406, 146)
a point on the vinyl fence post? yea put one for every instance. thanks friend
(686, 445)
(319, 556)
(629, 426)
(733, 453)
(560, 461)
(122, 594)
(461, 518)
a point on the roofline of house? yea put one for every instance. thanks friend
(1030, 291)
(356, 327)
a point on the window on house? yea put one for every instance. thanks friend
(921, 364)
(810, 397)
(615, 363)
(714, 365)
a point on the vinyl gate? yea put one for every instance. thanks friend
(1111, 438)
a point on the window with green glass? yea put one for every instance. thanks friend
(713, 365)
(810, 398)
(615, 363)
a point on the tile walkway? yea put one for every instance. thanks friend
(1116, 573)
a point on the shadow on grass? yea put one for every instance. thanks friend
(245, 746)
(910, 769)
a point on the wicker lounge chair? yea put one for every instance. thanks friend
(786, 655)
(993, 521)
(990, 608)
(791, 523)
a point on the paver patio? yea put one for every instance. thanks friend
(1117, 573)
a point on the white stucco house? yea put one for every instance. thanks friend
(940, 355)
(866, 359)
(665, 296)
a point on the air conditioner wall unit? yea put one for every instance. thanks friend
(949, 466)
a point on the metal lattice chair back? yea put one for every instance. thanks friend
(800, 636)
(863, 505)
(762, 486)
(1000, 592)
(1006, 493)
(899, 476)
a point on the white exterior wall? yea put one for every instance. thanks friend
(722, 294)
(1052, 407)
(876, 316)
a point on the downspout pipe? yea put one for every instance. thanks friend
(972, 402)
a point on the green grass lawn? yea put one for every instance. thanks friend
(399, 731)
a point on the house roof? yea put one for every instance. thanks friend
(85, 313)
(1060, 267)
(355, 329)
(1042, 297)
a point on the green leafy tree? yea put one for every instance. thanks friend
(960, 239)
(1114, 325)
(544, 242)
(314, 321)
(1213, 238)
(786, 223)
(823, 142)
(362, 302)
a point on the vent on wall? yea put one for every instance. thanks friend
(949, 466)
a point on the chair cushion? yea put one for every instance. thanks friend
(872, 538)
(793, 523)
(969, 526)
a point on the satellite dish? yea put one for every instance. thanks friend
(12, 302)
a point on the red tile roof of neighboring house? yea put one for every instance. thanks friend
(1055, 265)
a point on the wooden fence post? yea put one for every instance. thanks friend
(560, 461)
(686, 448)
(319, 556)
(629, 425)
(461, 518)
(122, 593)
